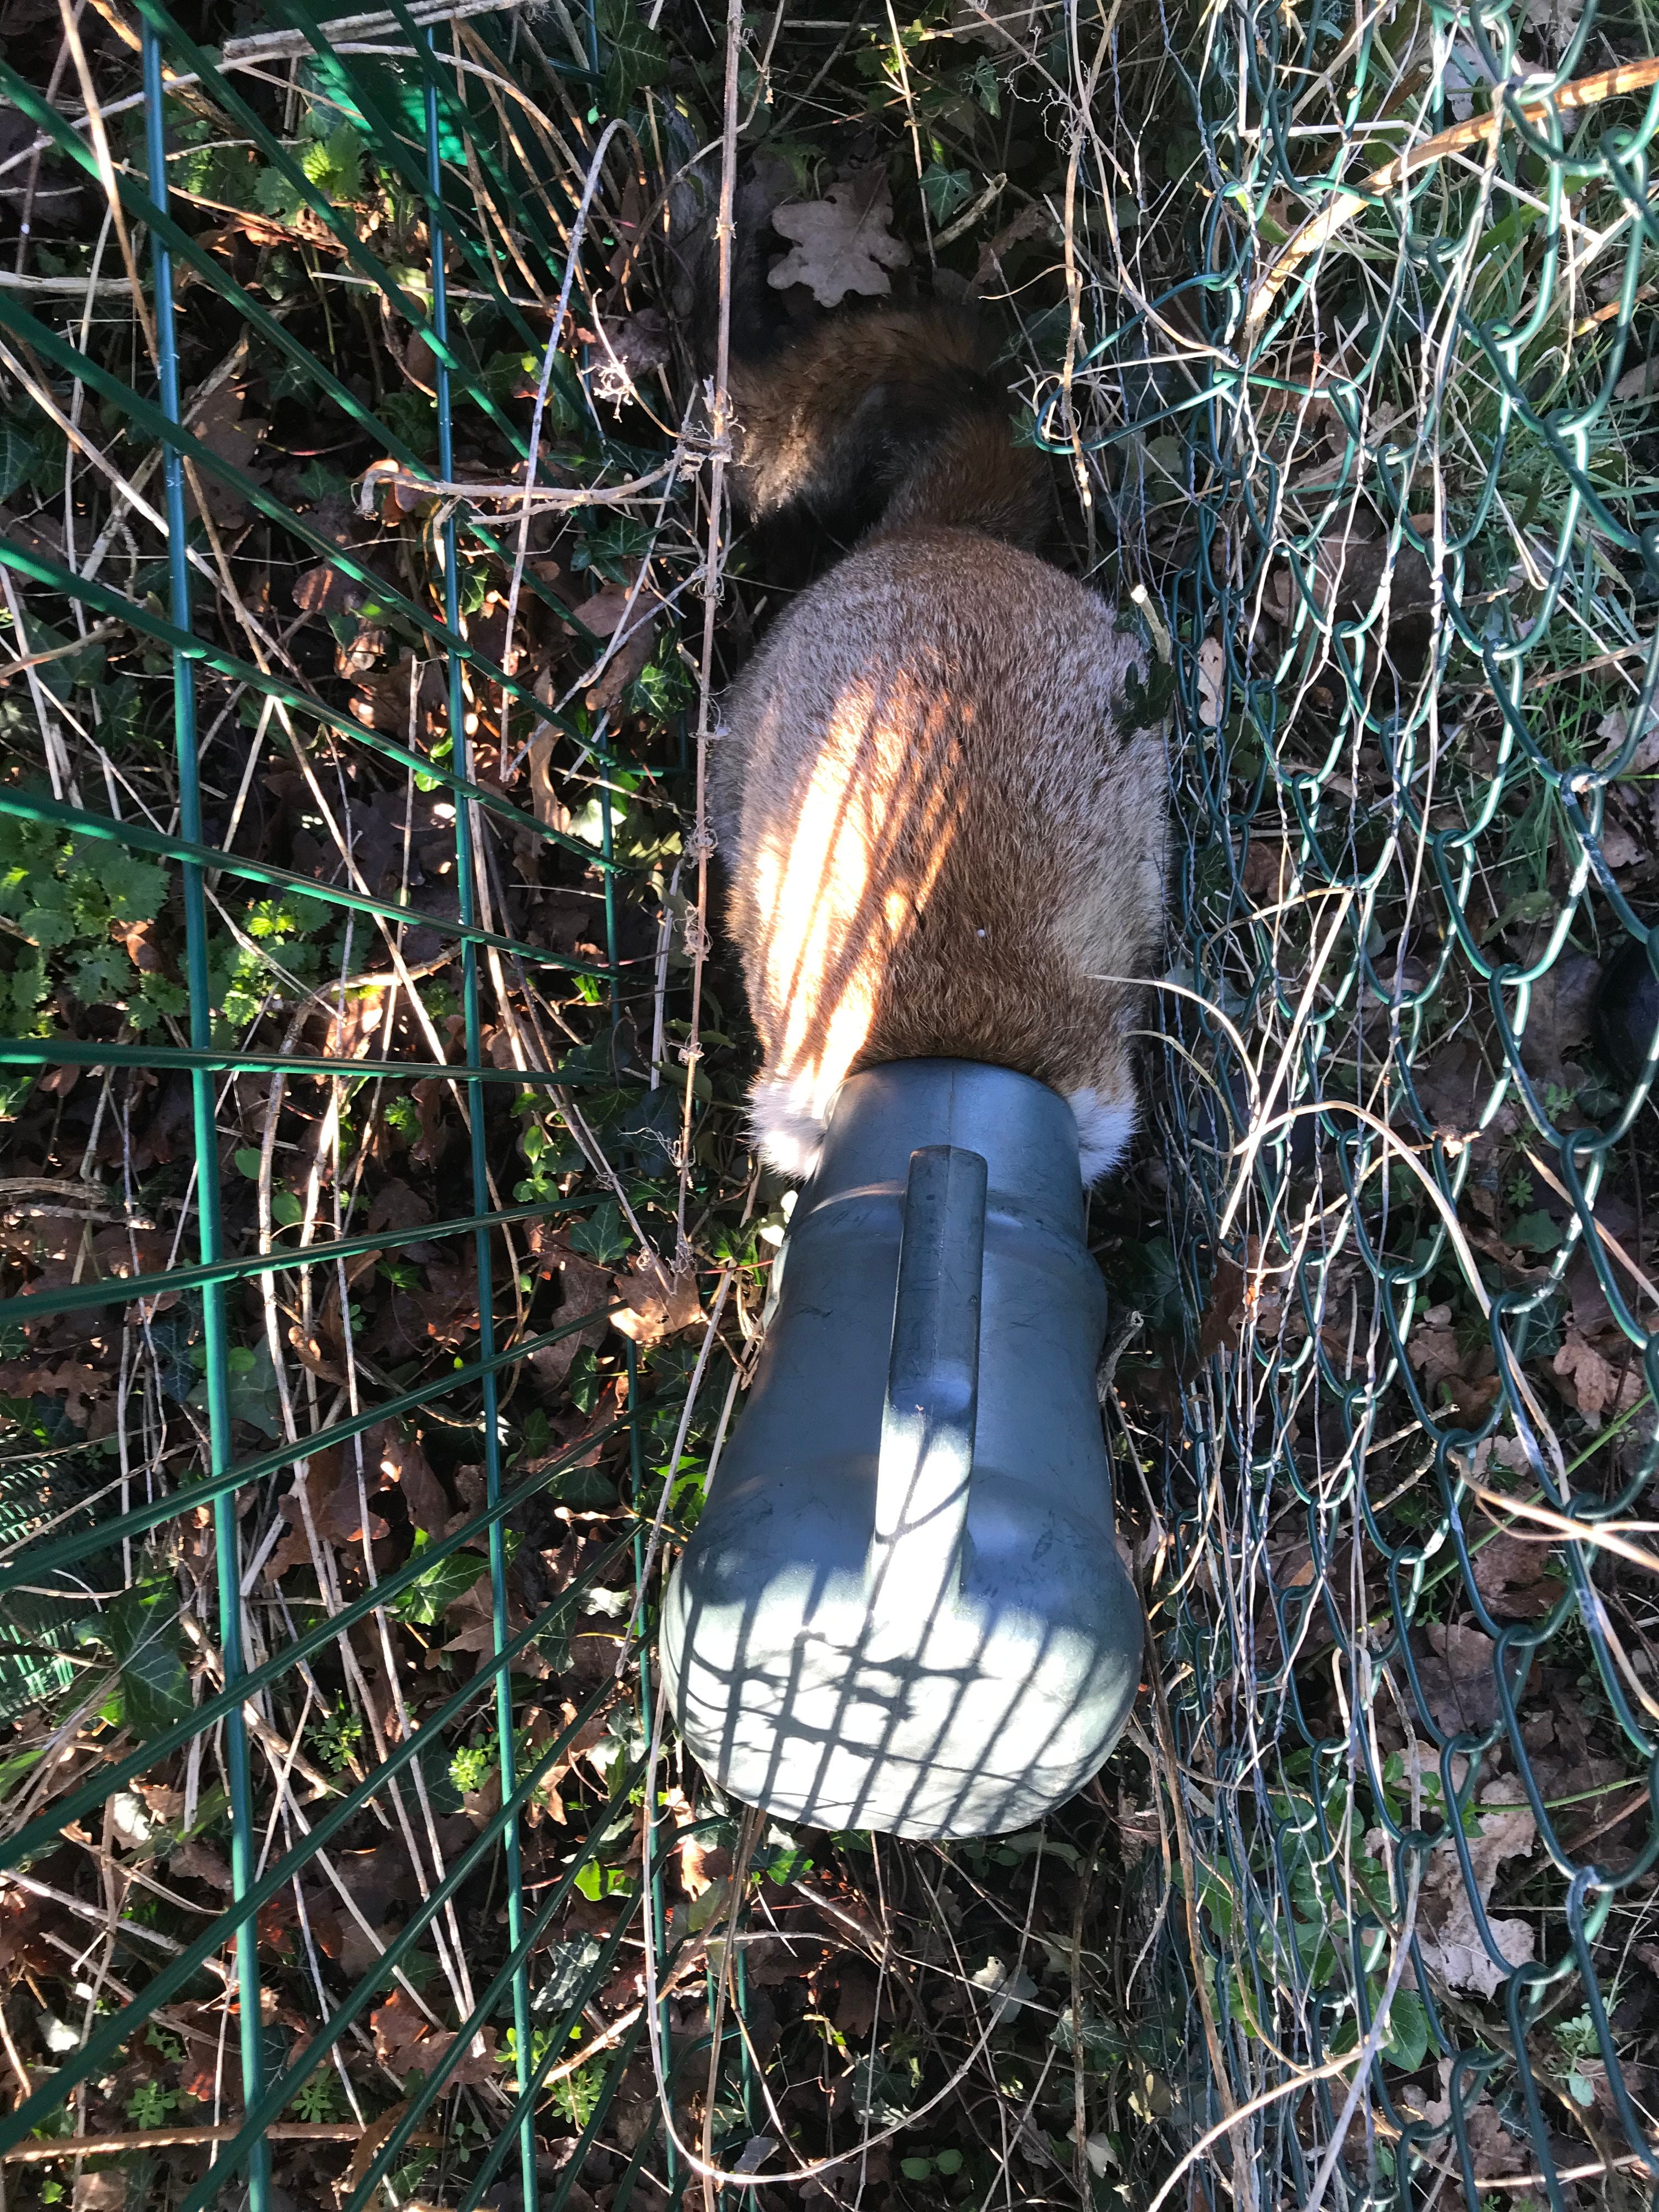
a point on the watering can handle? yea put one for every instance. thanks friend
(933, 1387)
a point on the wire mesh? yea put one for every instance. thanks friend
(1363, 374)
(1351, 371)
(202, 1738)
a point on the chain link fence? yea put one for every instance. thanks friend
(1366, 385)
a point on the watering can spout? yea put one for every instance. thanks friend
(927, 1423)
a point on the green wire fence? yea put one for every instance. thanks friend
(444, 149)
(1363, 374)
(1353, 372)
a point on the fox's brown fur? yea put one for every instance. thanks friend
(942, 838)
(889, 417)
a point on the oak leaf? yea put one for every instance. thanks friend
(659, 1302)
(1448, 1934)
(841, 243)
(401, 1460)
(1595, 1385)
(404, 2042)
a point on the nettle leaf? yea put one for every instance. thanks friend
(141, 1633)
(102, 976)
(1407, 2045)
(335, 164)
(1536, 1232)
(130, 889)
(49, 927)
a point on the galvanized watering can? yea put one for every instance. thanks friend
(902, 1607)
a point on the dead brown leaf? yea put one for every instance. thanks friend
(614, 608)
(1559, 1018)
(428, 1096)
(660, 1304)
(1451, 1940)
(1493, 2151)
(584, 1287)
(368, 2142)
(218, 423)
(139, 938)
(337, 1510)
(1512, 1575)
(401, 1460)
(1466, 1371)
(1454, 1086)
(351, 1026)
(1615, 728)
(396, 700)
(1032, 221)
(201, 1862)
(843, 243)
(1224, 1311)
(101, 2192)
(1459, 1686)
(449, 1305)
(1433, 1349)
(87, 1401)
(396, 1206)
(855, 2003)
(399, 2026)
(325, 590)
(1594, 1385)
(1563, 1765)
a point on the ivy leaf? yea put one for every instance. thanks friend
(601, 1236)
(19, 455)
(944, 189)
(637, 56)
(140, 1631)
(882, 2091)
(429, 1596)
(254, 1397)
(571, 1963)
(596, 1881)
(983, 82)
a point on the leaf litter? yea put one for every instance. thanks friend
(875, 1971)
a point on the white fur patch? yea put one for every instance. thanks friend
(787, 1135)
(1105, 1127)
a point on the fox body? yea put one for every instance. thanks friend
(944, 839)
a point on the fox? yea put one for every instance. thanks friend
(942, 832)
